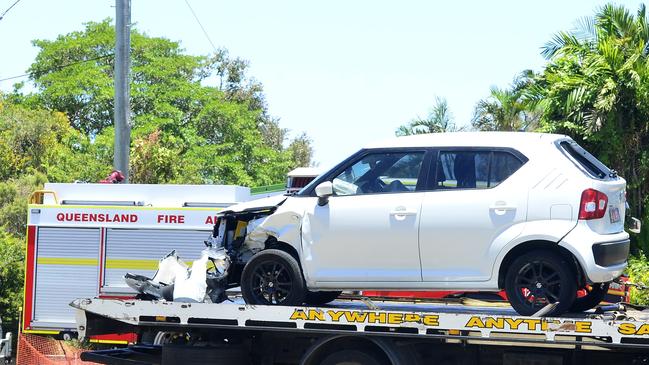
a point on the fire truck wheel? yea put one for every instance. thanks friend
(594, 294)
(273, 277)
(539, 278)
(321, 297)
(353, 357)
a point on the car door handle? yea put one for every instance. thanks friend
(502, 206)
(402, 211)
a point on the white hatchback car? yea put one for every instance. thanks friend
(532, 213)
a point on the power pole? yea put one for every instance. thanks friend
(122, 86)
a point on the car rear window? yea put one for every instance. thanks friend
(583, 158)
(474, 169)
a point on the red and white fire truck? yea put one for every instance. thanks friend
(83, 238)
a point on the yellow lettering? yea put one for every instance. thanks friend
(376, 317)
(643, 330)
(314, 314)
(583, 327)
(532, 323)
(498, 323)
(626, 328)
(335, 315)
(431, 320)
(411, 317)
(475, 322)
(513, 323)
(298, 314)
(395, 318)
(355, 316)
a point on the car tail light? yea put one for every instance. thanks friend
(593, 204)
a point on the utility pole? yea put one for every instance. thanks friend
(122, 86)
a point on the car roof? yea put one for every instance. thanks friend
(521, 140)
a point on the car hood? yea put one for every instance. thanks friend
(271, 201)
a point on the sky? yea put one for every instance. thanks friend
(345, 72)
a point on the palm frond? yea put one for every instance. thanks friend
(561, 42)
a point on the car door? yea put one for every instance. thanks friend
(475, 200)
(368, 230)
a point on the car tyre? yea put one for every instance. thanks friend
(595, 293)
(273, 277)
(538, 278)
(321, 297)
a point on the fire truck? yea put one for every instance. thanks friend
(83, 238)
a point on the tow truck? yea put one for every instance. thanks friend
(361, 330)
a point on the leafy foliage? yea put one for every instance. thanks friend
(506, 109)
(639, 273)
(439, 120)
(595, 88)
(182, 130)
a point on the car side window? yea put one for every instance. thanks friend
(474, 169)
(503, 165)
(375, 173)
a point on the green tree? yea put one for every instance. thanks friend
(595, 88)
(36, 140)
(439, 120)
(12, 269)
(183, 130)
(301, 151)
(506, 109)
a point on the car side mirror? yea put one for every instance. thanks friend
(323, 191)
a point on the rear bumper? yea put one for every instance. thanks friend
(603, 257)
(611, 253)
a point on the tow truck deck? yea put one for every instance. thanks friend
(399, 330)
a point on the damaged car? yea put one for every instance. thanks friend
(534, 214)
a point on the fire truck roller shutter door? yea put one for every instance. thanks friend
(66, 268)
(138, 251)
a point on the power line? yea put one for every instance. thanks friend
(9, 8)
(201, 25)
(58, 68)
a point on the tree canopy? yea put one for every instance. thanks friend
(183, 131)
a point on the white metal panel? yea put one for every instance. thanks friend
(66, 268)
(157, 195)
(128, 250)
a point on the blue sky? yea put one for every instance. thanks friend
(345, 72)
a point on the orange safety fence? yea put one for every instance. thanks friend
(41, 350)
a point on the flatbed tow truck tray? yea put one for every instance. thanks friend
(449, 320)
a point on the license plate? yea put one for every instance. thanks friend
(615, 215)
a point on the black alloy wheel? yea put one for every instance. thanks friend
(594, 294)
(321, 297)
(539, 278)
(272, 277)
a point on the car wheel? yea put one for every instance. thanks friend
(539, 278)
(321, 297)
(272, 277)
(592, 297)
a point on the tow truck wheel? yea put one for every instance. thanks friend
(594, 294)
(321, 297)
(539, 278)
(273, 277)
(352, 357)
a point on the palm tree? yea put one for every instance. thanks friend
(506, 109)
(595, 87)
(439, 120)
